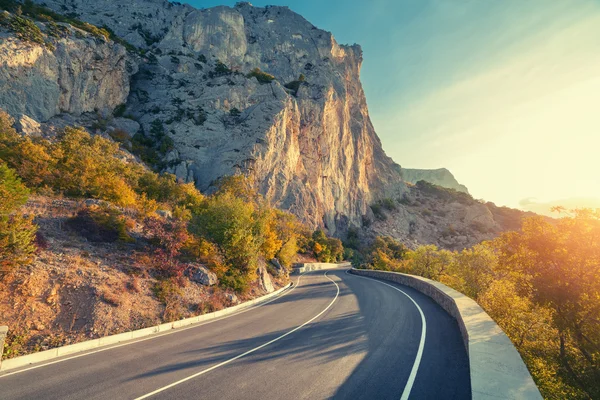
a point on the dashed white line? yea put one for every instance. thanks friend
(162, 389)
(415, 368)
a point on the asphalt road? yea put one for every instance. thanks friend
(334, 335)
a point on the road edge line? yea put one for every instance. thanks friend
(128, 338)
(419, 356)
(162, 389)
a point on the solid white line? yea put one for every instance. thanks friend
(156, 336)
(415, 368)
(247, 352)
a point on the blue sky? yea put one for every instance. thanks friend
(505, 94)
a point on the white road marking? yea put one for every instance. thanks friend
(247, 352)
(176, 330)
(415, 368)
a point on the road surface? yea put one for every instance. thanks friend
(334, 335)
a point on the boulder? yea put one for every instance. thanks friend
(264, 279)
(127, 125)
(164, 213)
(232, 298)
(200, 274)
(28, 126)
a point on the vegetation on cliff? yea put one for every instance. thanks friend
(146, 233)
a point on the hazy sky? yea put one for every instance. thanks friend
(505, 94)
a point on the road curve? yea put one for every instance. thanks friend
(334, 335)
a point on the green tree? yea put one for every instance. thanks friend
(17, 232)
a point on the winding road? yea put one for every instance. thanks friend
(332, 335)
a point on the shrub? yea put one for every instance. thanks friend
(326, 249)
(260, 76)
(295, 85)
(234, 112)
(388, 204)
(26, 30)
(101, 224)
(169, 238)
(17, 232)
(220, 70)
(119, 110)
(119, 135)
(200, 117)
(169, 293)
(378, 211)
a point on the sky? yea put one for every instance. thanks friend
(505, 94)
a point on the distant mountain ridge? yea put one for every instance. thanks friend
(440, 176)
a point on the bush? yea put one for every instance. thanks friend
(326, 249)
(17, 232)
(260, 76)
(295, 85)
(168, 292)
(119, 110)
(26, 29)
(119, 135)
(220, 70)
(378, 211)
(101, 224)
(169, 238)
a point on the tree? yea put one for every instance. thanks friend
(430, 262)
(561, 263)
(17, 232)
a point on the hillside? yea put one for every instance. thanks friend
(431, 214)
(441, 177)
(209, 93)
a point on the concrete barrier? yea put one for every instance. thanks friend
(307, 267)
(497, 370)
(46, 355)
(3, 332)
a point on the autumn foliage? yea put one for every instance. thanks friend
(542, 286)
(230, 231)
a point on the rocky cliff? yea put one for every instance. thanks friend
(300, 126)
(219, 91)
(440, 176)
(73, 72)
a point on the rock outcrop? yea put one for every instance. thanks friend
(303, 132)
(448, 219)
(440, 176)
(200, 274)
(220, 91)
(81, 73)
(264, 279)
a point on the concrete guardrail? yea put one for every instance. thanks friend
(497, 370)
(3, 332)
(307, 267)
(46, 355)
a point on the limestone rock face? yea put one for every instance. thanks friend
(441, 177)
(82, 74)
(308, 141)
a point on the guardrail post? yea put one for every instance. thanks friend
(3, 332)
